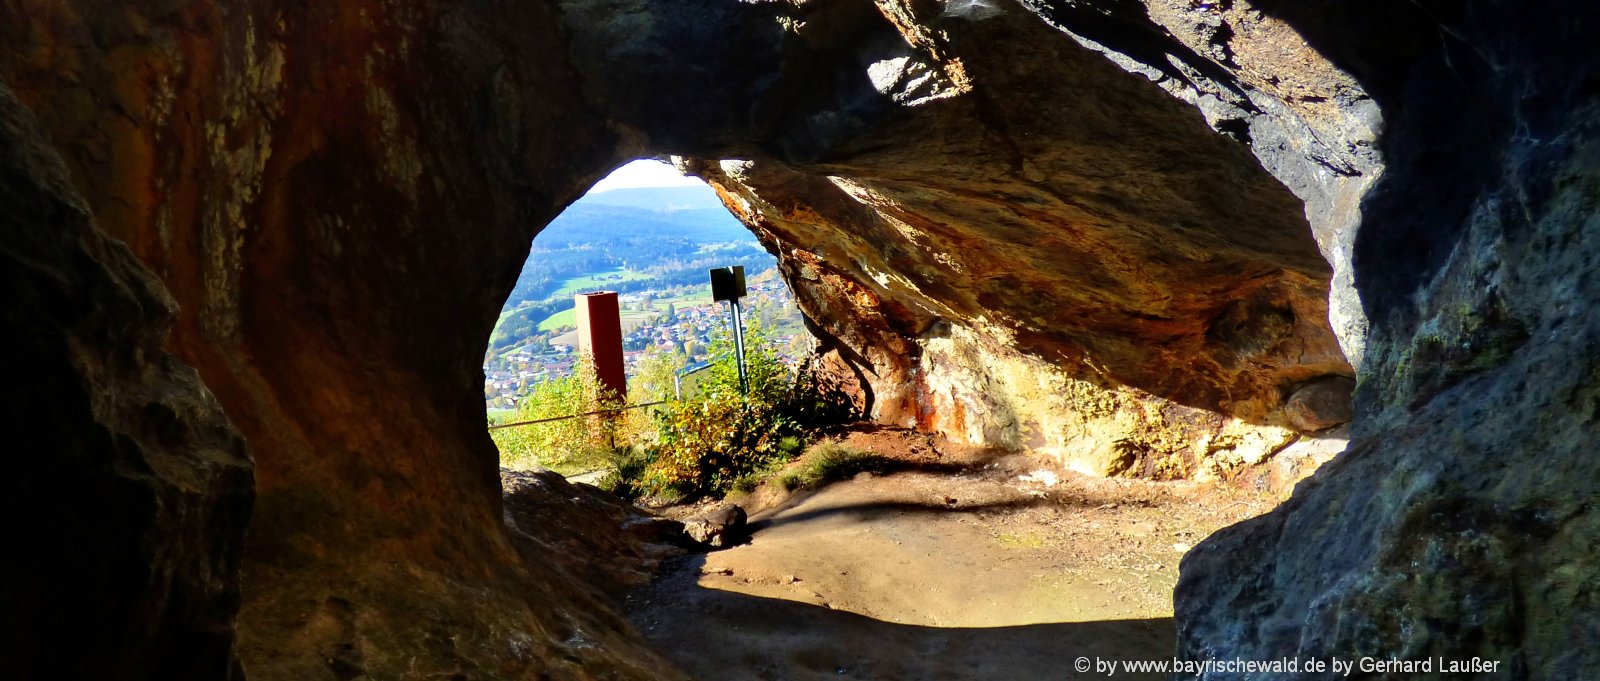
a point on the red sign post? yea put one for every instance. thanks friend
(600, 339)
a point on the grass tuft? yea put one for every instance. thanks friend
(830, 462)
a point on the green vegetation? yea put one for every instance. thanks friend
(568, 319)
(565, 319)
(624, 229)
(567, 446)
(713, 441)
(523, 320)
(622, 241)
(716, 437)
(658, 244)
(830, 462)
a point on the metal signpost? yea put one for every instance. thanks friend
(727, 283)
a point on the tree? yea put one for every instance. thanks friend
(653, 379)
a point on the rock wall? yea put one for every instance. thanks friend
(127, 489)
(339, 197)
(1460, 523)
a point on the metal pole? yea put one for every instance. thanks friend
(738, 347)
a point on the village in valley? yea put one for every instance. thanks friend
(681, 319)
(653, 244)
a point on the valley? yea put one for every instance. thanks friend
(653, 245)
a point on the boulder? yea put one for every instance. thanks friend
(1460, 524)
(1321, 404)
(986, 253)
(338, 197)
(719, 527)
(604, 542)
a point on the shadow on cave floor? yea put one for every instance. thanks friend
(967, 572)
(720, 635)
(869, 512)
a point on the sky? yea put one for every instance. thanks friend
(644, 173)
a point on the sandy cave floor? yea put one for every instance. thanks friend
(959, 565)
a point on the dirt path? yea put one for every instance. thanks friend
(954, 566)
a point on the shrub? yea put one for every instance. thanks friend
(628, 465)
(567, 446)
(703, 445)
(652, 377)
(718, 436)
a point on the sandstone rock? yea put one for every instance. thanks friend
(717, 528)
(966, 285)
(1321, 404)
(338, 197)
(1460, 522)
(127, 490)
(603, 541)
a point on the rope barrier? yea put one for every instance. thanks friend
(574, 416)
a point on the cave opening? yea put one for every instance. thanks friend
(1069, 498)
(1058, 312)
(649, 234)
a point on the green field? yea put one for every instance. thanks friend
(702, 297)
(568, 319)
(507, 312)
(564, 319)
(595, 282)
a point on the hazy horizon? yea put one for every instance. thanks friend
(644, 173)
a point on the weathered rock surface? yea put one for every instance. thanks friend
(968, 233)
(127, 491)
(1461, 522)
(339, 197)
(719, 527)
(600, 540)
(1321, 404)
